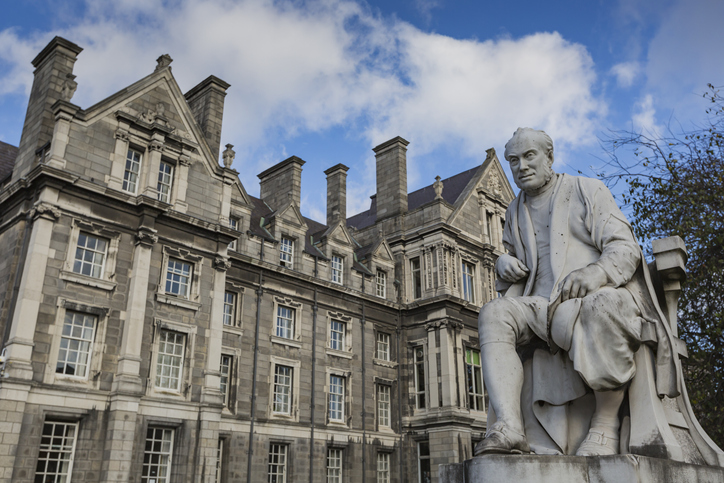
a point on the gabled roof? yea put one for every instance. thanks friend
(452, 187)
(8, 153)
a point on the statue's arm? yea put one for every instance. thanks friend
(611, 233)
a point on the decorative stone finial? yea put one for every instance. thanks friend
(228, 155)
(69, 87)
(437, 186)
(163, 62)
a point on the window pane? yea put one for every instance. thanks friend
(90, 255)
(55, 456)
(278, 463)
(169, 362)
(165, 181)
(157, 456)
(132, 169)
(285, 322)
(76, 344)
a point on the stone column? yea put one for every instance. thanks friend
(152, 165)
(128, 378)
(211, 393)
(181, 185)
(19, 347)
(120, 436)
(433, 392)
(115, 179)
(448, 374)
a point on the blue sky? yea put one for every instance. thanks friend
(327, 80)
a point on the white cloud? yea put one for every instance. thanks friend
(626, 73)
(296, 67)
(644, 118)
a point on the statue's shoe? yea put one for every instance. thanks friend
(597, 444)
(502, 440)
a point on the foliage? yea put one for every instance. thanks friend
(674, 186)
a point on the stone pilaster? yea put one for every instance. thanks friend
(153, 163)
(64, 113)
(120, 435)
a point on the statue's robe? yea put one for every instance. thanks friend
(586, 227)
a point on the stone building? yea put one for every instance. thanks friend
(160, 324)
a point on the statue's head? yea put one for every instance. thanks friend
(530, 154)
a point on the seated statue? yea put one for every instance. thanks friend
(575, 285)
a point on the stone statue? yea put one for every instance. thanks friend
(575, 286)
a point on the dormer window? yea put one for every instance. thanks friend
(130, 174)
(165, 182)
(234, 225)
(337, 269)
(381, 284)
(286, 252)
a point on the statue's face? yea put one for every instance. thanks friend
(530, 164)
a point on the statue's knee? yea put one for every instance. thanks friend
(595, 304)
(494, 321)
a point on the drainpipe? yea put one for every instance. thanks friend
(315, 307)
(399, 376)
(259, 293)
(364, 379)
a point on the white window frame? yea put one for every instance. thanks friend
(80, 263)
(337, 396)
(383, 467)
(296, 338)
(175, 267)
(219, 460)
(421, 399)
(476, 395)
(192, 300)
(335, 465)
(107, 279)
(128, 173)
(285, 323)
(171, 353)
(165, 180)
(467, 273)
(420, 459)
(234, 225)
(229, 316)
(384, 405)
(165, 451)
(293, 412)
(226, 371)
(383, 340)
(281, 453)
(286, 252)
(283, 387)
(61, 445)
(336, 265)
(79, 336)
(381, 284)
(337, 335)
(333, 320)
(187, 364)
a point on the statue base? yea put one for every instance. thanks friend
(627, 468)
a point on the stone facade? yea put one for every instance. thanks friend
(147, 297)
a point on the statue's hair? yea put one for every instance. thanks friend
(543, 140)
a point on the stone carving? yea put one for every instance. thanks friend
(146, 237)
(44, 210)
(228, 155)
(580, 308)
(69, 87)
(437, 186)
(162, 62)
(494, 183)
(222, 264)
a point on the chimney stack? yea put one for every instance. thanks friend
(206, 101)
(282, 182)
(336, 194)
(53, 81)
(391, 177)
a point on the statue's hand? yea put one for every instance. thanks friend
(582, 282)
(510, 269)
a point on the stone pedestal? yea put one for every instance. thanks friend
(577, 469)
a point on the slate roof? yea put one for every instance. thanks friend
(8, 153)
(452, 187)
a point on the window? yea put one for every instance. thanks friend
(278, 463)
(57, 448)
(169, 363)
(285, 322)
(282, 389)
(423, 459)
(416, 278)
(381, 285)
(419, 367)
(337, 269)
(178, 278)
(468, 273)
(474, 378)
(286, 252)
(383, 346)
(165, 180)
(337, 331)
(230, 308)
(383, 467)
(75, 344)
(234, 225)
(130, 174)
(157, 456)
(226, 365)
(336, 398)
(489, 223)
(334, 465)
(383, 405)
(90, 255)
(219, 461)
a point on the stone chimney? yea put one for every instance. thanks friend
(282, 182)
(391, 177)
(206, 101)
(336, 193)
(53, 81)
